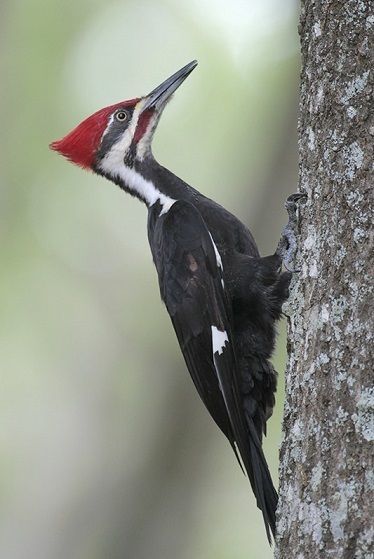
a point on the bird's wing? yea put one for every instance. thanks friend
(192, 286)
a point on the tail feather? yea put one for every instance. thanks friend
(261, 482)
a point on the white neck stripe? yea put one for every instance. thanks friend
(113, 164)
(135, 182)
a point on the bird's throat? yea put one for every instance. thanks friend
(132, 180)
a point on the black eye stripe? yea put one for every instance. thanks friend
(115, 129)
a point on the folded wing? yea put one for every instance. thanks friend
(191, 279)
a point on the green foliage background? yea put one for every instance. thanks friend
(106, 450)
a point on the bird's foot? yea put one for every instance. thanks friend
(287, 245)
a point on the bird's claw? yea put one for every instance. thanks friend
(291, 204)
(296, 196)
(291, 270)
(287, 245)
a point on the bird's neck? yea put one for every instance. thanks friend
(151, 182)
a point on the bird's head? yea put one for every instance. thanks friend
(121, 134)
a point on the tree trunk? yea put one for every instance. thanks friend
(326, 472)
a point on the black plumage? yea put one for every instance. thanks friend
(242, 298)
(222, 297)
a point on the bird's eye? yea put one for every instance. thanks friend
(121, 116)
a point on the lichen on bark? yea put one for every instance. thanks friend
(326, 471)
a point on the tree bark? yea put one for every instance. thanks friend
(326, 471)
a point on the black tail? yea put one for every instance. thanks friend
(261, 482)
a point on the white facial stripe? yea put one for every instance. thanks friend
(113, 165)
(125, 141)
(119, 149)
(108, 126)
(219, 339)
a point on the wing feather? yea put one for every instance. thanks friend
(191, 279)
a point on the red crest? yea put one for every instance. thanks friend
(81, 144)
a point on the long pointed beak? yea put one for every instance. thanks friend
(159, 96)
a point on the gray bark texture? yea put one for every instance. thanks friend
(326, 506)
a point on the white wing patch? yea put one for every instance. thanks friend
(219, 339)
(166, 203)
(218, 256)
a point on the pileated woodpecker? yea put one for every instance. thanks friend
(222, 297)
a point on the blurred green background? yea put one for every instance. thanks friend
(106, 449)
